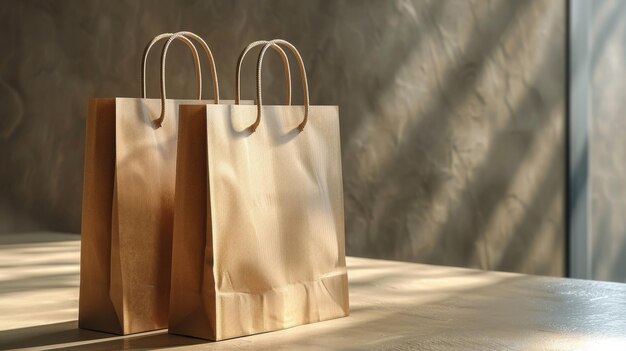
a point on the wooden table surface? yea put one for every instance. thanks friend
(394, 305)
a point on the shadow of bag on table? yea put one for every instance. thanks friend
(67, 336)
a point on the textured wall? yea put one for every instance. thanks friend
(607, 152)
(452, 112)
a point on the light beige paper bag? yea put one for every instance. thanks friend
(128, 203)
(258, 228)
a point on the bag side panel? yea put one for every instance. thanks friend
(192, 295)
(96, 309)
(145, 180)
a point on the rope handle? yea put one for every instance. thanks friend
(305, 84)
(216, 97)
(286, 68)
(194, 52)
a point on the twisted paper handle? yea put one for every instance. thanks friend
(305, 84)
(286, 68)
(179, 36)
(194, 52)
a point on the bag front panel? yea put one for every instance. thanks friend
(277, 217)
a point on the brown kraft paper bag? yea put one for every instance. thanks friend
(128, 203)
(258, 241)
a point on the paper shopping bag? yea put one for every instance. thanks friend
(258, 241)
(128, 204)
